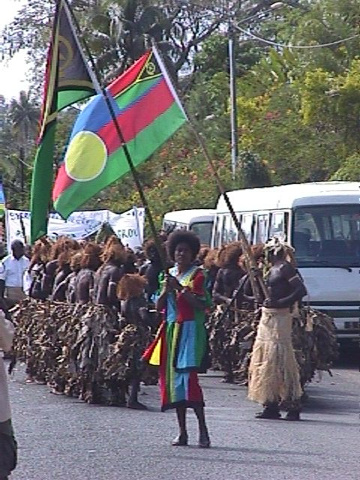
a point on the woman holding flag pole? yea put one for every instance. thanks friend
(180, 345)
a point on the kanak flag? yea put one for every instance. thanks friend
(148, 112)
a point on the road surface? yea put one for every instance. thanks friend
(64, 439)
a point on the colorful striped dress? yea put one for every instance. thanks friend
(180, 346)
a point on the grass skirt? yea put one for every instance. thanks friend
(273, 372)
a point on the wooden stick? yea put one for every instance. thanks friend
(256, 279)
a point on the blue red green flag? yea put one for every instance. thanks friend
(148, 112)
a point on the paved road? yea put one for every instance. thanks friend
(65, 439)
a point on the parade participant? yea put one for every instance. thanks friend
(12, 269)
(61, 278)
(109, 274)
(131, 292)
(182, 337)
(129, 261)
(152, 269)
(211, 268)
(273, 372)
(61, 245)
(8, 446)
(28, 251)
(229, 274)
(226, 283)
(34, 274)
(140, 258)
(84, 283)
(64, 285)
(204, 250)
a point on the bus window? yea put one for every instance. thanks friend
(327, 235)
(247, 225)
(277, 225)
(262, 228)
(233, 233)
(216, 232)
(169, 226)
(225, 230)
(203, 231)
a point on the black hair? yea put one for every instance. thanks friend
(183, 236)
(17, 243)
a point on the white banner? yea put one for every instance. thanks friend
(128, 226)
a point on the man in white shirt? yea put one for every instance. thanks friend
(12, 269)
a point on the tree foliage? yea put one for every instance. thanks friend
(298, 108)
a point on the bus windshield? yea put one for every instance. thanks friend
(327, 235)
(203, 230)
(170, 225)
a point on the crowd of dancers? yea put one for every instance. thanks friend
(167, 290)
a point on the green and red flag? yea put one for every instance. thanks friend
(67, 80)
(147, 111)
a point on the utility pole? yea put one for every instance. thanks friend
(233, 107)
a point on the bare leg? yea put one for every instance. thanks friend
(204, 439)
(293, 410)
(181, 418)
(271, 411)
(133, 401)
(182, 438)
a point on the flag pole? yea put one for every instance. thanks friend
(136, 213)
(256, 278)
(251, 265)
(124, 146)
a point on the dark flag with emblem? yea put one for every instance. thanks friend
(67, 80)
(147, 111)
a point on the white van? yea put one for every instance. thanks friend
(200, 221)
(322, 222)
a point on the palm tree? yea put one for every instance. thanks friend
(119, 31)
(23, 116)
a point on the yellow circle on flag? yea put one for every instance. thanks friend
(86, 156)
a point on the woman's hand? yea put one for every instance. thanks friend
(172, 284)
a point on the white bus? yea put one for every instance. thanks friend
(200, 221)
(322, 222)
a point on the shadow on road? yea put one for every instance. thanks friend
(261, 451)
(328, 401)
(349, 357)
(204, 457)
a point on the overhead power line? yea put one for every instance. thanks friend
(282, 45)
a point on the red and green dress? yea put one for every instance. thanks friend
(180, 346)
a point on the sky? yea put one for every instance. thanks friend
(13, 73)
